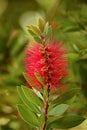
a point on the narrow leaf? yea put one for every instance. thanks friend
(41, 24)
(28, 116)
(38, 94)
(30, 105)
(47, 30)
(66, 96)
(34, 29)
(66, 122)
(75, 47)
(73, 56)
(31, 32)
(39, 78)
(37, 39)
(32, 97)
(31, 82)
(58, 110)
(41, 119)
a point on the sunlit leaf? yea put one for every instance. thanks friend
(41, 24)
(47, 30)
(34, 29)
(31, 32)
(58, 110)
(38, 93)
(75, 47)
(4, 121)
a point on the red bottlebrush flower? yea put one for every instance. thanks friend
(48, 61)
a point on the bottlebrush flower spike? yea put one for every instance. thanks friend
(48, 61)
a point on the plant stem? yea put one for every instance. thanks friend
(46, 108)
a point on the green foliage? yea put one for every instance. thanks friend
(32, 97)
(30, 81)
(41, 33)
(41, 24)
(64, 97)
(28, 116)
(26, 101)
(40, 79)
(37, 39)
(58, 110)
(65, 122)
(31, 109)
(47, 31)
(41, 119)
(34, 29)
(71, 20)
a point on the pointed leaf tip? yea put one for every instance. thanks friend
(41, 24)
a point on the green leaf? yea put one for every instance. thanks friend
(41, 24)
(39, 78)
(28, 116)
(41, 119)
(66, 96)
(37, 39)
(31, 32)
(75, 47)
(58, 110)
(65, 122)
(83, 53)
(69, 26)
(32, 97)
(38, 94)
(44, 92)
(47, 30)
(30, 81)
(73, 56)
(25, 100)
(35, 29)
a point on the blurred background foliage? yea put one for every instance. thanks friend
(69, 22)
